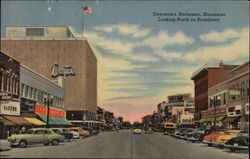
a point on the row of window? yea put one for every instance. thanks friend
(9, 82)
(239, 90)
(38, 95)
(10, 108)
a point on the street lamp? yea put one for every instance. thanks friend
(48, 100)
(216, 103)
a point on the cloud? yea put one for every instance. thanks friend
(215, 36)
(163, 39)
(226, 52)
(144, 57)
(126, 29)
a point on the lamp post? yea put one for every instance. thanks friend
(216, 103)
(48, 100)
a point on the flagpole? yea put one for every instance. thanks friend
(82, 21)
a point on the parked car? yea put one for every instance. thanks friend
(220, 140)
(210, 138)
(196, 135)
(76, 135)
(36, 136)
(137, 131)
(5, 145)
(183, 135)
(238, 142)
(148, 130)
(64, 132)
(82, 133)
(91, 130)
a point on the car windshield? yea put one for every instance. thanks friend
(231, 133)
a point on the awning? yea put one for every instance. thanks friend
(7, 122)
(17, 120)
(86, 121)
(55, 120)
(35, 121)
(219, 118)
(231, 119)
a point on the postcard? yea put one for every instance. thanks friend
(124, 79)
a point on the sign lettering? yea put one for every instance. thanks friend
(66, 71)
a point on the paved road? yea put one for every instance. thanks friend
(123, 144)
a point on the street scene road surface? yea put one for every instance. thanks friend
(124, 144)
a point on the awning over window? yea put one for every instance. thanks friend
(17, 120)
(231, 119)
(55, 120)
(35, 121)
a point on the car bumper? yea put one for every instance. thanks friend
(237, 147)
(207, 142)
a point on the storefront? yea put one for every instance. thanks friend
(57, 117)
(211, 116)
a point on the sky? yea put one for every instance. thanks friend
(142, 60)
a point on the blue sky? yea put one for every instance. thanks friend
(140, 60)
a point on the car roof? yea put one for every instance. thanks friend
(234, 131)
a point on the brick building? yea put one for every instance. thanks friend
(204, 78)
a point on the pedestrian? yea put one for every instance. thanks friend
(23, 130)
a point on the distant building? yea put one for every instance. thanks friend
(204, 78)
(42, 48)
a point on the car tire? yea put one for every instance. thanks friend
(232, 149)
(22, 144)
(45, 144)
(209, 144)
(221, 146)
(55, 142)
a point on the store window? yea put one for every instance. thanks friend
(26, 89)
(231, 109)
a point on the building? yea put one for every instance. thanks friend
(180, 109)
(238, 91)
(217, 106)
(23, 102)
(42, 48)
(204, 78)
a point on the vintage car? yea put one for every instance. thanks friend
(210, 139)
(238, 142)
(196, 135)
(64, 132)
(5, 145)
(36, 136)
(137, 131)
(91, 130)
(220, 140)
(82, 133)
(148, 130)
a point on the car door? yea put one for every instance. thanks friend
(47, 136)
(38, 136)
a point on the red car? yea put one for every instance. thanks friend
(210, 139)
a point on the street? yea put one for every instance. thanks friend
(124, 144)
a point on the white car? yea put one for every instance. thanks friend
(5, 145)
(75, 135)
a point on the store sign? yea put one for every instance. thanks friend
(52, 112)
(10, 107)
(66, 71)
(211, 113)
(57, 113)
(5, 96)
(234, 92)
(40, 110)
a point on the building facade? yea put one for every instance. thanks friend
(40, 52)
(204, 78)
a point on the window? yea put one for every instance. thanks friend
(237, 112)
(231, 109)
(247, 89)
(29, 132)
(34, 31)
(47, 132)
(26, 88)
(38, 132)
